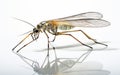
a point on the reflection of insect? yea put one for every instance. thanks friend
(63, 66)
(88, 19)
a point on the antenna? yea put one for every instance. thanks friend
(24, 21)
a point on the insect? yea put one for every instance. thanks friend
(88, 19)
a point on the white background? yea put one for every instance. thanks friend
(35, 11)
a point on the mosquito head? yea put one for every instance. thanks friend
(35, 33)
(39, 27)
(35, 30)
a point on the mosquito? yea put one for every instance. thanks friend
(66, 24)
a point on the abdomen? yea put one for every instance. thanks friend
(65, 27)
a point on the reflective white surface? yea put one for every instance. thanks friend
(35, 11)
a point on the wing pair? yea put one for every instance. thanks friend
(88, 19)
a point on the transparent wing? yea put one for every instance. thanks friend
(93, 15)
(88, 19)
(85, 23)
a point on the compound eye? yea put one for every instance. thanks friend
(38, 26)
(35, 30)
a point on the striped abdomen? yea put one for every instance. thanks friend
(65, 27)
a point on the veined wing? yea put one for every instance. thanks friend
(84, 23)
(87, 15)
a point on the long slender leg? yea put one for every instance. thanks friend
(77, 40)
(24, 45)
(47, 57)
(21, 41)
(85, 35)
(48, 43)
(34, 37)
(54, 38)
(83, 56)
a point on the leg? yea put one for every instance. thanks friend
(22, 41)
(47, 57)
(48, 43)
(75, 39)
(85, 35)
(54, 38)
(25, 45)
(83, 56)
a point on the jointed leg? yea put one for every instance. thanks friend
(47, 57)
(76, 40)
(83, 56)
(49, 43)
(22, 41)
(85, 35)
(25, 45)
(54, 38)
